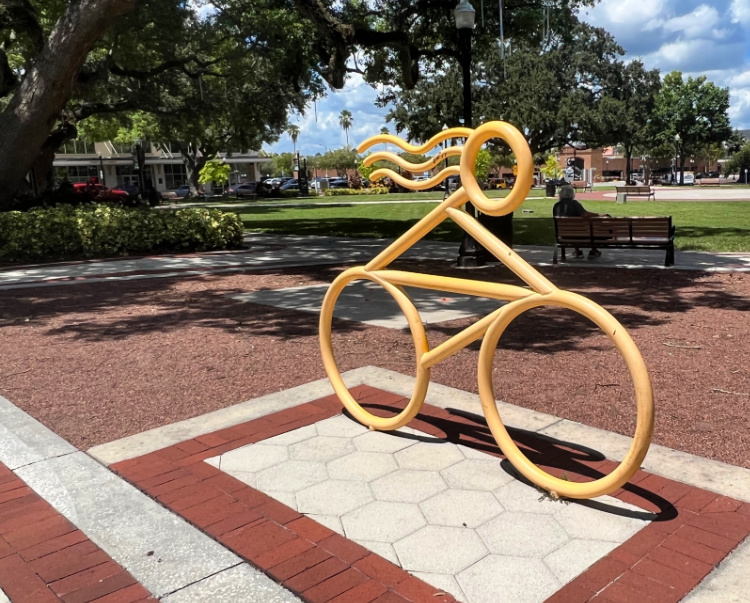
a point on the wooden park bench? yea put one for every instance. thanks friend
(582, 185)
(637, 191)
(622, 233)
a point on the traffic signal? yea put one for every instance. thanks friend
(515, 170)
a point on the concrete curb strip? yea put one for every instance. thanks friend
(160, 550)
(694, 470)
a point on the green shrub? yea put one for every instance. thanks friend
(340, 192)
(86, 231)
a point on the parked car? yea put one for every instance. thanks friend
(277, 182)
(178, 193)
(97, 191)
(246, 189)
(131, 190)
(290, 185)
(339, 183)
(688, 178)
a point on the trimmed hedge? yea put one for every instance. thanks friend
(92, 230)
(340, 192)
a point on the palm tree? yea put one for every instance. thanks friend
(345, 121)
(384, 131)
(293, 132)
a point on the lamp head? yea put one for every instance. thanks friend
(464, 15)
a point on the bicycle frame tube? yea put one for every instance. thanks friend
(502, 252)
(416, 232)
(541, 292)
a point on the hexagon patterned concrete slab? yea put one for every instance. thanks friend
(450, 514)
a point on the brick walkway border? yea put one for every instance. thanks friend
(44, 557)
(695, 529)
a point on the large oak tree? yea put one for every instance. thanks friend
(223, 80)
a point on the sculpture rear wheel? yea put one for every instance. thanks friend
(638, 373)
(420, 342)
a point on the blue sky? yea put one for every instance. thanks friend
(694, 37)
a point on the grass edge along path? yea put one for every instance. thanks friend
(715, 226)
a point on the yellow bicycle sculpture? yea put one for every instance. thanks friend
(541, 292)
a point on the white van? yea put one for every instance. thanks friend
(688, 178)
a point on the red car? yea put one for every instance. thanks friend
(97, 191)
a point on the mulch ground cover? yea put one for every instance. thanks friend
(99, 361)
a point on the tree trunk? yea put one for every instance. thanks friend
(194, 162)
(37, 103)
(43, 175)
(628, 161)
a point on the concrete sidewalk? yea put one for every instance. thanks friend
(282, 251)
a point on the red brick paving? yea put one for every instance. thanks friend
(44, 557)
(694, 530)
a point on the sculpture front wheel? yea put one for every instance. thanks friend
(638, 373)
(420, 342)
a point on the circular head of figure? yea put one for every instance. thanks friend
(567, 193)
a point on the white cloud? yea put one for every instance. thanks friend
(629, 13)
(740, 11)
(693, 36)
(694, 24)
(322, 131)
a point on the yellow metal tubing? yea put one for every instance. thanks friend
(416, 149)
(460, 340)
(329, 362)
(451, 284)
(494, 324)
(502, 252)
(413, 167)
(416, 232)
(634, 362)
(415, 185)
(524, 179)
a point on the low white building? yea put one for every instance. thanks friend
(114, 165)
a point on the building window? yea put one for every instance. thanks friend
(175, 175)
(126, 175)
(122, 148)
(77, 147)
(77, 173)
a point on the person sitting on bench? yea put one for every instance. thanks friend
(568, 207)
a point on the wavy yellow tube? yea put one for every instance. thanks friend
(416, 185)
(416, 149)
(492, 326)
(413, 167)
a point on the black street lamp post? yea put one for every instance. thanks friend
(470, 252)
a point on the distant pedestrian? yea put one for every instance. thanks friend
(569, 207)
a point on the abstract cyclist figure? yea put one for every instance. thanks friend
(541, 292)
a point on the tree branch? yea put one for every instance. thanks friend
(21, 17)
(8, 79)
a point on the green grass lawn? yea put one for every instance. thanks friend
(700, 225)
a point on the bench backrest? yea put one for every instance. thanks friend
(651, 228)
(636, 189)
(614, 230)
